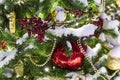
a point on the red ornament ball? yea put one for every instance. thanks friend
(60, 58)
(3, 44)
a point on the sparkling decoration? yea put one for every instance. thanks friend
(19, 68)
(46, 69)
(12, 21)
(60, 58)
(113, 62)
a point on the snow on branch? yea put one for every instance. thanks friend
(23, 39)
(91, 52)
(5, 57)
(84, 31)
(30, 46)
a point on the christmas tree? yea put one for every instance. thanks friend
(59, 39)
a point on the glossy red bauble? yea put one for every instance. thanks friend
(60, 58)
(3, 44)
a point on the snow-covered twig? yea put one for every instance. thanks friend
(30, 46)
(5, 57)
(75, 76)
(23, 39)
(86, 30)
(91, 52)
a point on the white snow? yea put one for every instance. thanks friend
(93, 52)
(19, 2)
(5, 57)
(115, 52)
(112, 15)
(98, 2)
(41, 1)
(69, 45)
(89, 77)
(77, 24)
(30, 46)
(75, 76)
(58, 8)
(23, 39)
(85, 30)
(118, 12)
(110, 24)
(101, 60)
(90, 52)
(113, 42)
(118, 39)
(8, 75)
(2, 1)
(103, 70)
(102, 37)
(97, 48)
(6, 7)
(72, 74)
(84, 2)
(60, 16)
(104, 16)
(8, 72)
(117, 78)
